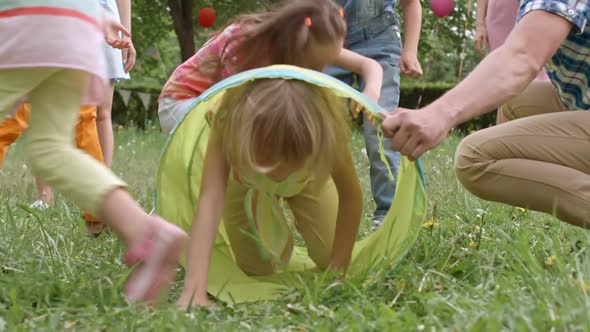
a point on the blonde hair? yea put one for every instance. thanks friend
(284, 121)
(283, 35)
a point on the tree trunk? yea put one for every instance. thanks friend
(182, 17)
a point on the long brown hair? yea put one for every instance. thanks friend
(282, 35)
(284, 120)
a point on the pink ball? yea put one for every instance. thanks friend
(442, 8)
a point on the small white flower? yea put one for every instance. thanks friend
(2, 325)
(420, 327)
(25, 166)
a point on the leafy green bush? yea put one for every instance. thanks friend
(136, 115)
(411, 92)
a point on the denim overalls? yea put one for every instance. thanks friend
(374, 33)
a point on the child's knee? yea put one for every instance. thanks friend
(43, 154)
(104, 113)
(320, 255)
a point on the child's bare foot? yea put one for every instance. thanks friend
(156, 253)
(184, 301)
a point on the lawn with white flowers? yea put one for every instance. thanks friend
(476, 266)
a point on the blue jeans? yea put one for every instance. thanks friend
(385, 48)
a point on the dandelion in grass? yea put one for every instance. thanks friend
(551, 260)
(400, 286)
(523, 210)
(472, 244)
(430, 224)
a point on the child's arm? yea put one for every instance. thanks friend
(129, 53)
(205, 225)
(369, 69)
(409, 64)
(350, 204)
(481, 32)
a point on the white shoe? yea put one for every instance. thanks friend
(39, 205)
(377, 221)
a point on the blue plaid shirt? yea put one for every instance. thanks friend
(569, 68)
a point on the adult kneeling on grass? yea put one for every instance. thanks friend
(540, 159)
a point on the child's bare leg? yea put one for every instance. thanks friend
(118, 205)
(44, 192)
(104, 124)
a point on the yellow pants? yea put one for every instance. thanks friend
(86, 135)
(55, 96)
(314, 210)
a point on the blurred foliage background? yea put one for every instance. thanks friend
(165, 32)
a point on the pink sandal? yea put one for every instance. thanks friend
(157, 257)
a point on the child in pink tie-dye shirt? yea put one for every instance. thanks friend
(298, 33)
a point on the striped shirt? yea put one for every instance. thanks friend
(198, 73)
(569, 68)
(56, 34)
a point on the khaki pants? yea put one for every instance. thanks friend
(539, 160)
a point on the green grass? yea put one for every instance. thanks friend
(481, 267)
